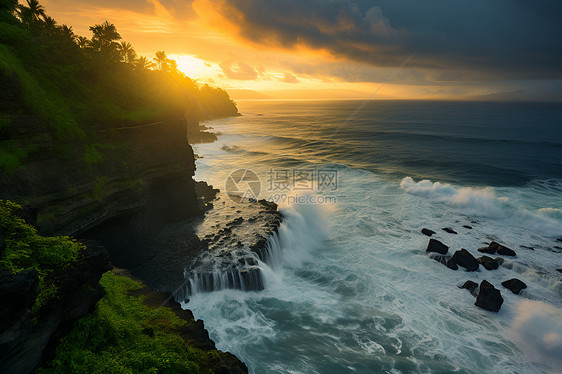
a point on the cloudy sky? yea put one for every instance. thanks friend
(439, 49)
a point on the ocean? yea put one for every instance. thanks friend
(349, 287)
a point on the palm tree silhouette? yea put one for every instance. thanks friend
(105, 41)
(143, 63)
(106, 33)
(32, 13)
(161, 60)
(50, 24)
(67, 33)
(128, 54)
(82, 41)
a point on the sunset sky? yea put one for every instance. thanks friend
(450, 49)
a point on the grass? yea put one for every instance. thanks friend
(27, 250)
(123, 335)
(49, 104)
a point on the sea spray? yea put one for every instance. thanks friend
(483, 202)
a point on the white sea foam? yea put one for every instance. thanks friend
(483, 202)
(538, 327)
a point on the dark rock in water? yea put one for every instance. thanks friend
(489, 250)
(504, 251)
(447, 261)
(494, 247)
(559, 270)
(499, 260)
(471, 286)
(449, 230)
(427, 232)
(515, 285)
(488, 262)
(559, 239)
(489, 297)
(436, 246)
(467, 227)
(268, 204)
(466, 260)
(527, 247)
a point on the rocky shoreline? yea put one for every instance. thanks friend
(487, 295)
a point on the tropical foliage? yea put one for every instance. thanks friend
(79, 83)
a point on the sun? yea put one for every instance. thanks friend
(196, 68)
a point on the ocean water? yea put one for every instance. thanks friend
(351, 289)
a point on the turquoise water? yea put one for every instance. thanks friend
(352, 289)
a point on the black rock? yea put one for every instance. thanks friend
(436, 246)
(559, 239)
(488, 262)
(504, 251)
(447, 261)
(527, 247)
(489, 297)
(467, 227)
(559, 270)
(499, 260)
(427, 232)
(471, 286)
(466, 260)
(515, 285)
(489, 249)
(449, 230)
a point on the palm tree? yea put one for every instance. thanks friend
(31, 14)
(106, 33)
(105, 41)
(37, 10)
(143, 63)
(67, 32)
(161, 60)
(128, 54)
(50, 24)
(82, 41)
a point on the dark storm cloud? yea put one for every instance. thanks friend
(502, 39)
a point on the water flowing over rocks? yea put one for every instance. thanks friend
(471, 286)
(488, 262)
(446, 260)
(489, 297)
(236, 237)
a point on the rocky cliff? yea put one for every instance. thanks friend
(26, 336)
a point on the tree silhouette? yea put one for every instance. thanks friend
(161, 60)
(67, 32)
(31, 14)
(143, 63)
(82, 42)
(50, 24)
(128, 54)
(105, 41)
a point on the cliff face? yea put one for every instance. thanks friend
(147, 168)
(118, 170)
(25, 336)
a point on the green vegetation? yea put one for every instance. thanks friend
(26, 250)
(124, 335)
(79, 84)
